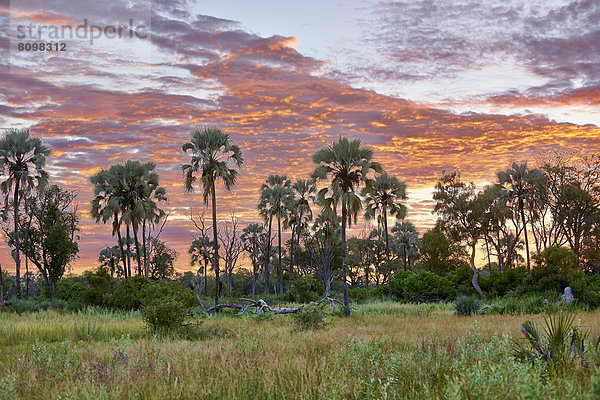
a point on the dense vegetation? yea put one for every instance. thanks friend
(537, 227)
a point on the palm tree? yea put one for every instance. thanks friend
(347, 163)
(141, 189)
(522, 182)
(383, 196)
(407, 237)
(22, 159)
(299, 212)
(215, 158)
(200, 253)
(274, 194)
(252, 237)
(107, 203)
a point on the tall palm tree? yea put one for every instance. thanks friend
(107, 203)
(215, 158)
(407, 237)
(347, 164)
(252, 236)
(22, 159)
(141, 189)
(299, 212)
(521, 183)
(383, 197)
(274, 194)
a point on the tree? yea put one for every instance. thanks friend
(346, 163)
(299, 213)
(161, 262)
(215, 158)
(252, 237)
(438, 254)
(461, 214)
(521, 182)
(274, 194)
(107, 204)
(232, 249)
(109, 258)
(201, 248)
(407, 238)
(383, 196)
(48, 237)
(22, 160)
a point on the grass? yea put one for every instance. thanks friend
(385, 350)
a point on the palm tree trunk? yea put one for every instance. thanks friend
(137, 249)
(145, 250)
(254, 275)
(487, 250)
(118, 224)
(27, 279)
(280, 269)
(521, 206)
(17, 252)
(1, 286)
(344, 272)
(215, 243)
(128, 250)
(267, 258)
(292, 242)
(387, 253)
(404, 254)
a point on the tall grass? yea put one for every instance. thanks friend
(382, 351)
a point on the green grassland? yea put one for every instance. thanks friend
(384, 350)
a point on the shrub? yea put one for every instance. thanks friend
(311, 318)
(560, 345)
(126, 294)
(422, 287)
(358, 294)
(304, 290)
(157, 291)
(468, 305)
(167, 314)
(500, 283)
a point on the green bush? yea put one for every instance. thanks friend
(167, 314)
(500, 283)
(422, 287)
(156, 291)
(468, 305)
(126, 294)
(304, 290)
(359, 294)
(311, 318)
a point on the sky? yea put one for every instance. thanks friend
(428, 85)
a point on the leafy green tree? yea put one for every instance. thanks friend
(161, 263)
(438, 254)
(49, 239)
(215, 158)
(22, 160)
(461, 213)
(383, 197)
(200, 253)
(345, 164)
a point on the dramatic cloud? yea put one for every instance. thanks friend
(97, 106)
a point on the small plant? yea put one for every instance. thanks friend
(311, 318)
(164, 314)
(468, 305)
(86, 331)
(560, 344)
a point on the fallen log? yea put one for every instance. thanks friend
(261, 306)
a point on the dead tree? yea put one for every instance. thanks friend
(232, 249)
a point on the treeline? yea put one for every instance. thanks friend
(541, 220)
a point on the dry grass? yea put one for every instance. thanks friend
(95, 355)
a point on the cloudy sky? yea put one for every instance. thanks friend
(429, 85)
